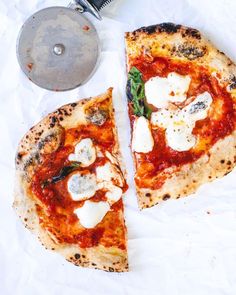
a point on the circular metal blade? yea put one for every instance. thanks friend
(58, 48)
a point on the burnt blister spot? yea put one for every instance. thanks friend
(166, 197)
(169, 28)
(233, 83)
(189, 51)
(111, 269)
(63, 112)
(149, 29)
(66, 113)
(53, 121)
(74, 104)
(40, 133)
(19, 156)
(77, 256)
(193, 33)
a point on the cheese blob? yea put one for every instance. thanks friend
(113, 192)
(91, 213)
(180, 137)
(142, 141)
(160, 91)
(109, 172)
(179, 123)
(105, 175)
(85, 153)
(82, 186)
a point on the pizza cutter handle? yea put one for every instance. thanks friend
(91, 6)
(100, 3)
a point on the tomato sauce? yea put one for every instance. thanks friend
(219, 123)
(56, 214)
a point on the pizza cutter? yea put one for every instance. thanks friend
(58, 47)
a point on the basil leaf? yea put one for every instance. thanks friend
(136, 94)
(62, 174)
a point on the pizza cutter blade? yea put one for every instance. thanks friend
(58, 48)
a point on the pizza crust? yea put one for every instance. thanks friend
(45, 137)
(186, 44)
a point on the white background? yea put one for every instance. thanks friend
(176, 248)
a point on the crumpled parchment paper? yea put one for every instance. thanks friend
(180, 247)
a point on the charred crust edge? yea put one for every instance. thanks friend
(169, 28)
(193, 33)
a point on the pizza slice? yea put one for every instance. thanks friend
(69, 184)
(181, 95)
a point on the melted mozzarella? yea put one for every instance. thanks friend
(85, 153)
(180, 137)
(109, 172)
(179, 124)
(104, 173)
(82, 186)
(159, 91)
(111, 158)
(91, 213)
(142, 141)
(113, 192)
(162, 118)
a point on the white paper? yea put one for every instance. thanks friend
(175, 248)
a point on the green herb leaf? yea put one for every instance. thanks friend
(136, 93)
(62, 174)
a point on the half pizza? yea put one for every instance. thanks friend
(69, 184)
(181, 95)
